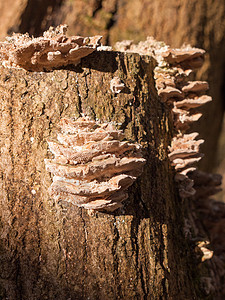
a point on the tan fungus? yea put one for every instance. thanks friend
(54, 49)
(93, 166)
(116, 85)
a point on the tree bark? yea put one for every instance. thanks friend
(199, 23)
(55, 250)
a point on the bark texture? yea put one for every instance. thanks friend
(55, 250)
(200, 23)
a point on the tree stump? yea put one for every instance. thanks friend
(55, 250)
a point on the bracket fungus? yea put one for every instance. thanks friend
(182, 96)
(52, 50)
(93, 165)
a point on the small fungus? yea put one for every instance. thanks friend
(116, 85)
(187, 104)
(207, 253)
(104, 48)
(170, 92)
(195, 86)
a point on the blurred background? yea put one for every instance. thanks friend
(200, 23)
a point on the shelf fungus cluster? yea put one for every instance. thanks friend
(182, 96)
(54, 49)
(93, 165)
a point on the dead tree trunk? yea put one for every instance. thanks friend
(58, 251)
(199, 23)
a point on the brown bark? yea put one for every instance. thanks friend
(58, 251)
(199, 23)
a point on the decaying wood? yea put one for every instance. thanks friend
(200, 23)
(55, 249)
